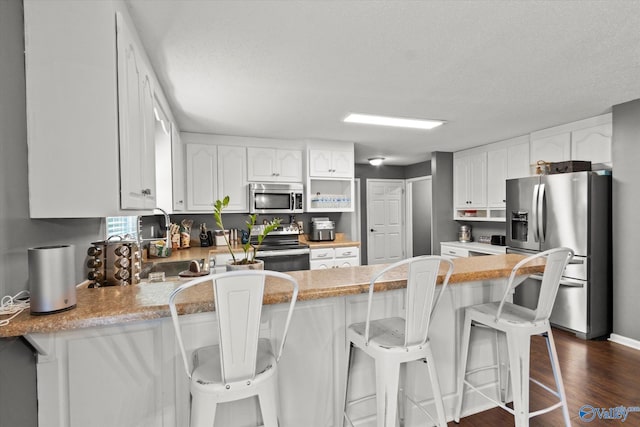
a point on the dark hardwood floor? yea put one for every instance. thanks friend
(597, 373)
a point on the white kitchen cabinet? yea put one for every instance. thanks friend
(470, 180)
(274, 165)
(347, 256)
(321, 258)
(202, 177)
(592, 144)
(178, 170)
(588, 139)
(94, 157)
(331, 163)
(553, 148)
(232, 177)
(506, 160)
(213, 172)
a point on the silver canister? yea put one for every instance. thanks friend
(464, 234)
(52, 278)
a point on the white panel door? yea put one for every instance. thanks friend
(496, 176)
(385, 221)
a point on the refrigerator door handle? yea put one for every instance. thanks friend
(534, 211)
(542, 221)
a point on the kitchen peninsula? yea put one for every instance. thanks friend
(113, 361)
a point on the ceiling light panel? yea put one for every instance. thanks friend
(392, 121)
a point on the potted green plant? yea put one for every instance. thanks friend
(249, 261)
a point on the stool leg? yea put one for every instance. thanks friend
(435, 385)
(519, 354)
(555, 366)
(462, 365)
(346, 386)
(203, 411)
(387, 379)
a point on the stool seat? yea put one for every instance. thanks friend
(207, 367)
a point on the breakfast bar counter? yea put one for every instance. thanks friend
(116, 304)
(113, 359)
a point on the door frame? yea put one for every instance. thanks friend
(402, 214)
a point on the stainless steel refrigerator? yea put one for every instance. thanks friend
(571, 210)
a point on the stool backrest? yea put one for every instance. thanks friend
(238, 297)
(556, 261)
(422, 276)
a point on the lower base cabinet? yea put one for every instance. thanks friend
(322, 258)
(132, 374)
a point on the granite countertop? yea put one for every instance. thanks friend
(145, 301)
(340, 241)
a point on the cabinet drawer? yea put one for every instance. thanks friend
(347, 252)
(453, 252)
(321, 264)
(323, 253)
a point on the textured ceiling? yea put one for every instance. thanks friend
(294, 69)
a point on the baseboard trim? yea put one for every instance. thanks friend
(629, 342)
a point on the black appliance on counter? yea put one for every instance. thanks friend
(282, 251)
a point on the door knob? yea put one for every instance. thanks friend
(372, 230)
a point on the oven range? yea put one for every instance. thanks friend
(281, 250)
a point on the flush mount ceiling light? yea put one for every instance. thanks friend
(392, 121)
(376, 161)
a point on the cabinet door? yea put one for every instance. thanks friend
(289, 165)
(320, 163)
(592, 144)
(342, 164)
(518, 164)
(261, 164)
(321, 264)
(201, 177)
(460, 179)
(130, 93)
(496, 177)
(477, 180)
(147, 165)
(555, 148)
(177, 164)
(232, 177)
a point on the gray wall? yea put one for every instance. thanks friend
(625, 152)
(443, 227)
(18, 405)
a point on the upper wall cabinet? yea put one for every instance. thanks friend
(507, 160)
(213, 171)
(136, 123)
(479, 178)
(90, 123)
(329, 176)
(470, 180)
(331, 163)
(274, 165)
(588, 139)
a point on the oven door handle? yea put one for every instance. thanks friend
(284, 252)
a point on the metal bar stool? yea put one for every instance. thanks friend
(241, 364)
(519, 324)
(393, 341)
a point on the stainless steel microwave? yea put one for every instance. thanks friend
(267, 198)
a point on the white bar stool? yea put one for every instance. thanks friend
(393, 341)
(242, 364)
(519, 324)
